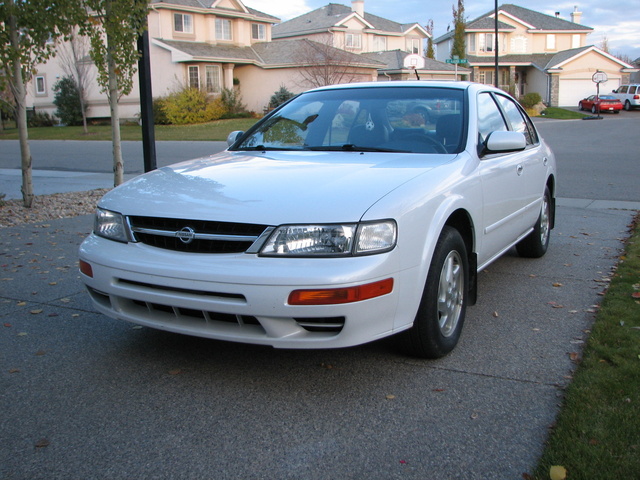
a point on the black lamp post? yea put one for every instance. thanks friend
(495, 23)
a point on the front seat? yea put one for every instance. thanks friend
(449, 131)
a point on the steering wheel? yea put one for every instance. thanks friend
(415, 137)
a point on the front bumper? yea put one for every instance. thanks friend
(243, 297)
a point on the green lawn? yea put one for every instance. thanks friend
(217, 130)
(597, 434)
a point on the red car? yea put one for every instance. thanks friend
(606, 103)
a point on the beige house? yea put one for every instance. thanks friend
(536, 53)
(211, 46)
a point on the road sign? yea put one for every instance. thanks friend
(455, 60)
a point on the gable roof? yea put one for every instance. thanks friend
(333, 15)
(534, 21)
(210, 5)
(284, 53)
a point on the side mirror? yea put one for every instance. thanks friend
(233, 137)
(505, 142)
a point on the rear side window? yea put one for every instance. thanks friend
(632, 89)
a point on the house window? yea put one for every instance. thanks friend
(194, 77)
(551, 41)
(486, 42)
(41, 85)
(413, 45)
(182, 23)
(353, 40)
(519, 44)
(486, 77)
(212, 78)
(258, 31)
(379, 43)
(223, 29)
(575, 40)
(472, 42)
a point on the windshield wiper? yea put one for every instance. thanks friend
(350, 147)
(262, 148)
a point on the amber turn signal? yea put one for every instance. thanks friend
(335, 296)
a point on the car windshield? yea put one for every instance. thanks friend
(387, 119)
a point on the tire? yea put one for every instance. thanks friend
(438, 323)
(580, 106)
(627, 105)
(536, 243)
(593, 109)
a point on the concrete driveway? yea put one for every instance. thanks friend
(83, 396)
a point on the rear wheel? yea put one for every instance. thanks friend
(627, 105)
(593, 109)
(536, 243)
(438, 323)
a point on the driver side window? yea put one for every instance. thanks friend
(489, 117)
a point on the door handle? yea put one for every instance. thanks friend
(519, 169)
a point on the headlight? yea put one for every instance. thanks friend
(331, 240)
(110, 225)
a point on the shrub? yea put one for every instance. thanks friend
(67, 99)
(280, 96)
(40, 119)
(530, 100)
(192, 106)
(159, 113)
(232, 101)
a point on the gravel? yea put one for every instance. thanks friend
(49, 207)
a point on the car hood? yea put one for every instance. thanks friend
(271, 187)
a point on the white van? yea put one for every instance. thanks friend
(629, 95)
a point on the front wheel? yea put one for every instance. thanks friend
(438, 323)
(536, 243)
(580, 107)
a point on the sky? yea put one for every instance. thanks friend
(618, 22)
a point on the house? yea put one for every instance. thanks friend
(354, 30)
(213, 45)
(536, 53)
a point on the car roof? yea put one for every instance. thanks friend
(403, 83)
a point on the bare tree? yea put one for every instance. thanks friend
(323, 64)
(604, 44)
(75, 61)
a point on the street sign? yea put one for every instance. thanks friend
(455, 60)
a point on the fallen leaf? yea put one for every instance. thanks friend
(474, 415)
(558, 472)
(14, 370)
(43, 442)
(495, 314)
(36, 312)
(573, 356)
(390, 397)
(557, 284)
(21, 304)
(40, 353)
(175, 371)
(23, 334)
(635, 295)
(8, 325)
(53, 283)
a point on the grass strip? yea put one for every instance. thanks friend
(597, 433)
(212, 131)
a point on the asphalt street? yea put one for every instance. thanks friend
(86, 397)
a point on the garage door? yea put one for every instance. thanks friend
(572, 91)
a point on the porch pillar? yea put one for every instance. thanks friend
(554, 90)
(512, 87)
(227, 75)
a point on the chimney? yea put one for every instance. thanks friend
(576, 15)
(358, 7)
(557, 14)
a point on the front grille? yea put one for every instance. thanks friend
(194, 236)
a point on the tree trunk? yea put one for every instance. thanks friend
(20, 95)
(118, 163)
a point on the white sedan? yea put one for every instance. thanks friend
(345, 216)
